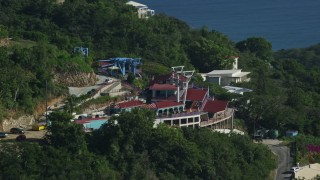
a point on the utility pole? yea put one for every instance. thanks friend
(46, 103)
(254, 127)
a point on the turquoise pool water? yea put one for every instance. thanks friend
(95, 124)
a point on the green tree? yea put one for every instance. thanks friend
(3, 32)
(207, 55)
(65, 134)
(131, 77)
(259, 46)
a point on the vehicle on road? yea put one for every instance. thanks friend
(258, 138)
(17, 131)
(108, 80)
(294, 169)
(3, 135)
(38, 127)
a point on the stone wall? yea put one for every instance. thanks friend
(75, 79)
(24, 121)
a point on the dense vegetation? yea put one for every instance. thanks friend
(286, 91)
(107, 28)
(133, 149)
(285, 95)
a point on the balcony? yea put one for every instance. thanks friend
(179, 115)
(216, 119)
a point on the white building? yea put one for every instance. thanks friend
(225, 77)
(143, 10)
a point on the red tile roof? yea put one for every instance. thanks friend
(129, 104)
(169, 98)
(215, 106)
(161, 79)
(163, 104)
(167, 77)
(196, 94)
(163, 87)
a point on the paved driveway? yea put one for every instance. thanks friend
(78, 91)
(284, 159)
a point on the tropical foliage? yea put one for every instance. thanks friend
(42, 35)
(133, 149)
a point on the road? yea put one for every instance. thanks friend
(78, 91)
(284, 159)
(31, 135)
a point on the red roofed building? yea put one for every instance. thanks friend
(215, 106)
(168, 78)
(161, 87)
(197, 94)
(129, 104)
(195, 99)
(166, 107)
(177, 104)
(162, 79)
(218, 113)
(126, 106)
(163, 92)
(166, 104)
(171, 86)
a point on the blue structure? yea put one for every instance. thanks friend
(82, 50)
(122, 63)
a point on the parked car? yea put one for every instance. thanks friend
(108, 80)
(17, 131)
(294, 169)
(3, 135)
(38, 127)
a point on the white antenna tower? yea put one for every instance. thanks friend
(177, 69)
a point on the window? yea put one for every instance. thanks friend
(176, 122)
(196, 119)
(184, 121)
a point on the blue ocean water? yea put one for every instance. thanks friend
(285, 23)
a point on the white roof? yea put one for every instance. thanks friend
(135, 4)
(227, 73)
(218, 72)
(242, 74)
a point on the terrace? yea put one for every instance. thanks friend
(218, 118)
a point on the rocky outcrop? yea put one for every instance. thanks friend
(26, 121)
(22, 122)
(75, 79)
(4, 41)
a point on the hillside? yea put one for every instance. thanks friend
(40, 56)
